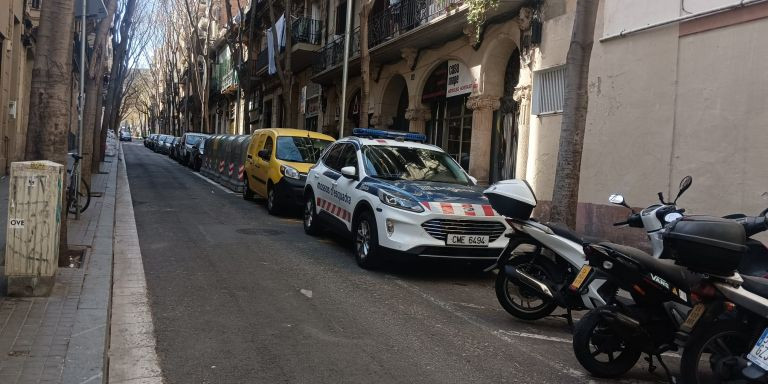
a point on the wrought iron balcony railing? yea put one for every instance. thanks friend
(333, 52)
(404, 16)
(306, 30)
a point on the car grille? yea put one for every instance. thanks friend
(440, 228)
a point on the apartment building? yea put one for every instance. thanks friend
(17, 19)
(675, 88)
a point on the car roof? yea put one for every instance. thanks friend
(295, 132)
(390, 142)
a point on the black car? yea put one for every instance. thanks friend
(198, 155)
(190, 144)
(164, 144)
(173, 151)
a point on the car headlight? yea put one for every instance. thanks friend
(394, 200)
(289, 172)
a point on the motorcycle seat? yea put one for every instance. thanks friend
(756, 285)
(667, 269)
(562, 230)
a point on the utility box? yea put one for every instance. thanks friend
(34, 220)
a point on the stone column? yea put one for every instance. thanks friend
(522, 96)
(482, 107)
(418, 118)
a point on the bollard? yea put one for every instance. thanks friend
(34, 220)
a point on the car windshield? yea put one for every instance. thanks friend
(409, 163)
(300, 149)
(193, 140)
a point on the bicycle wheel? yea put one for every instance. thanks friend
(84, 194)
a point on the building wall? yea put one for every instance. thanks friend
(15, 67)
(683, 99)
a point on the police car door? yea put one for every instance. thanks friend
(333, 190)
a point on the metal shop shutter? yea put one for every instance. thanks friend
(548, 90)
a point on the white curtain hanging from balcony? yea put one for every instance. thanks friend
(280, 25)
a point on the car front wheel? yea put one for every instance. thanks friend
(311, 224)
(365, 234)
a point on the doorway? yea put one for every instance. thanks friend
(451, 125)
(504, 135)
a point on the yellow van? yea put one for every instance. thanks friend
(277, 163)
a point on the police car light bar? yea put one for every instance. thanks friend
(382, 134)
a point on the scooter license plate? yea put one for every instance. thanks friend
(693, 317)
(579, 280)
(759, 353)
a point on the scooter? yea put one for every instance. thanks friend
(543, 261)
(657, 315)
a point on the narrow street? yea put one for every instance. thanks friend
(240, 296)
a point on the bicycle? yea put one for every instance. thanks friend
(84, 191)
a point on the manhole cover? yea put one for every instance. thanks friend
(259, 231)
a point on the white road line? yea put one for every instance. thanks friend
(450, 308)
(212, 182)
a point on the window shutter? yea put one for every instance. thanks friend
(548, 90)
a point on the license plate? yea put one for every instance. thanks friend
(759, 354)
(468, 240)
(693, 317)
(579, 280)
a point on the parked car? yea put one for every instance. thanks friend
(197, 156)
(164, 144)
(147, 140)
(190, 144)
(396, 195)
(277, 163)
(125, 135)
(173, 151)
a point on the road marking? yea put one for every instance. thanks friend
(306, 292)
(470, 319)
(212, 182)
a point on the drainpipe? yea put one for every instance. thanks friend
(713, 11)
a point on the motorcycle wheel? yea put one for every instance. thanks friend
(593, 339)
(520, 301)
(712, 353)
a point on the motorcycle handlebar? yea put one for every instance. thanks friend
(754, 224)
(634, 220)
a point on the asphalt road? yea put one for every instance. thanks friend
(239, 296)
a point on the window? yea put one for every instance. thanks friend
(348, 157)
(331, 158)
(409, 163)
(300, 149)
(341, 18)
(268, 145)
(548, 90)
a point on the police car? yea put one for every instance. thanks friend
(395, 194)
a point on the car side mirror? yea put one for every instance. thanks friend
(264, 154)
(349, 172)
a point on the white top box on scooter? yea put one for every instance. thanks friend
(512, 198)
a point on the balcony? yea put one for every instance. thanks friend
(408, 24)
(332, 54)
(306, 39)
(229, 82)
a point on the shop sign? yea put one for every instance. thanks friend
(460, 80)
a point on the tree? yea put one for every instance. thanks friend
(365, 62)
(566, 190)
(200, 46)
(48, 129)
(284, 69)
(93, 86)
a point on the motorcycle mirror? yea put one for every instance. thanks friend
(685, 183)
(619, 200)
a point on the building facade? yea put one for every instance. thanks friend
(17, 19)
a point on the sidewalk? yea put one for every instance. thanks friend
(63, 338)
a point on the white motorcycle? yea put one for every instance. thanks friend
(543, 265)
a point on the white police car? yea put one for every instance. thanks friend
(395, 194)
